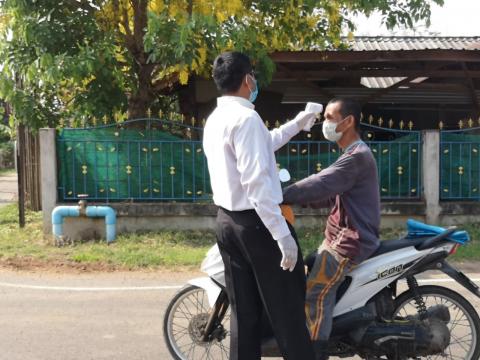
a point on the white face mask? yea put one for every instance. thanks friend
(329, 129)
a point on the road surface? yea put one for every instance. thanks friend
(117, 316)
(8, 189)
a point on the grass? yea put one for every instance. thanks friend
(130, 251)
(152, 250)
(4, 172)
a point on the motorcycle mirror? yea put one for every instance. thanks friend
(284, 175)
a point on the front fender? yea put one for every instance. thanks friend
(212, 289)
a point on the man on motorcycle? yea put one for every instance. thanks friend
(350, 187)
(252, 235)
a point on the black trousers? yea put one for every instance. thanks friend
(255, 283)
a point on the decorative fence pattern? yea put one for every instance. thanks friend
(127, 163)
(165, 162)
(397, 153)
(460, 164)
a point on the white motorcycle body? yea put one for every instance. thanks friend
(368, 279)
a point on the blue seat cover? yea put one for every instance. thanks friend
(419, 229)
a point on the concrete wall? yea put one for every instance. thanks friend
(48, 171)
(180, 216)
(133, 217)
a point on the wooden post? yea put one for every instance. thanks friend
(21, 174)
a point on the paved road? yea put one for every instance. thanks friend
(90, 316)
(48, 323)
(8, 189)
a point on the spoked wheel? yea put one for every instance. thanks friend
(184, 326)
(464, 322)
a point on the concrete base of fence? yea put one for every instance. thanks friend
(181, 216)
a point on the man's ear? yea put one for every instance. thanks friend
(246, 82)
(348, 122)
(352, 120)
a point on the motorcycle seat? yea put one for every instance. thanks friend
(387, 246)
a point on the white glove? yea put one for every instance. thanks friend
(305, 120)
(289, 250)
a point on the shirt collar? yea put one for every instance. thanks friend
(228, 100)
(351, 146)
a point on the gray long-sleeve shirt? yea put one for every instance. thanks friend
(350, 187)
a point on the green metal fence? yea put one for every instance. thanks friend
(460, 164)
(398, 162)
(164, 162)
(130, 163)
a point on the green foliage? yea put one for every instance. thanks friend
(6, 146)
(6, 154)
(57, 63)
(72, 60)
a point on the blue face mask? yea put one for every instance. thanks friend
(253, 93)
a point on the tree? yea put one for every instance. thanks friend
(76, 59)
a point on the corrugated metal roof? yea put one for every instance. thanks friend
(380, 82)
(295, 94)
(393, 43)
(386, 82)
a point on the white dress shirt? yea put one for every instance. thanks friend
(241, 161)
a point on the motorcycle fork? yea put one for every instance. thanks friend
(216, 316)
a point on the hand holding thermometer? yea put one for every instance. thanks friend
(315, 108)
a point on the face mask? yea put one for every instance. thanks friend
(329, 130)
(253, 93)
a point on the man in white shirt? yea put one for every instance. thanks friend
(263, 265)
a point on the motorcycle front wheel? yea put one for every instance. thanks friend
(184, 323)
(464, 322)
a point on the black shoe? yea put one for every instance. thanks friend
(270, 347)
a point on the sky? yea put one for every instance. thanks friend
(454, 18)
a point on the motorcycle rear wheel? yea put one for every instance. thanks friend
(464, 322)
(184, 319)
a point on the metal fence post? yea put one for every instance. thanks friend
(48, 170)
(431, 174)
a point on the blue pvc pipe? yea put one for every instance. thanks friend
(110, 219)
(60, 212)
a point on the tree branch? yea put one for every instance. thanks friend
(125, 22)
(165, 83)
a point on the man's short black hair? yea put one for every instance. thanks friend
(348, 107)
(229, 69)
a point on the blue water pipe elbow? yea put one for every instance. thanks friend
(61, 212)
(58, 214)
(110, 219)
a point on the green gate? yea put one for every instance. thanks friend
(158, 160)
(460, 164)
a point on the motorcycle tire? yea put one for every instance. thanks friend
(455, 302)
(181, 352)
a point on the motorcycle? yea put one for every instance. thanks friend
(373, 318)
